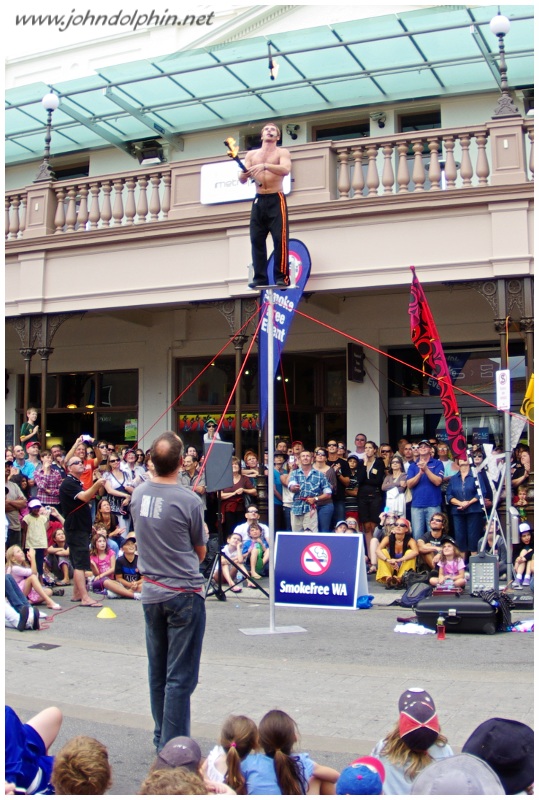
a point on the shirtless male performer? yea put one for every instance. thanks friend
(267, 167)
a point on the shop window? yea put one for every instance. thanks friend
(103, 404)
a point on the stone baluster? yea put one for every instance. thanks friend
(60, 217)
(373, 181)
(106, 210)
(358, 181)
(118, 208)
(435, 172)
(165, 203)
(82, 216)
(530, 137)
(418, 172)
(130, 208)
(388, 176)
(6, 220)
(482, 169)
(95, 213)
(450, 166)
(466, 169)
(403, 174)
(22, 215)
(71, 214)
(343, 182)
(155, 201)
(14, 222)
(142, 205)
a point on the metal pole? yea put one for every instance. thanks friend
(271, 444)
(508, 493)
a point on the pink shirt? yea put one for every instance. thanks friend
(452, 568)
(104, 562)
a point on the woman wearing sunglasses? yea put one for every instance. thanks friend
(396, 554)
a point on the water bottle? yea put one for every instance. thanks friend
(440, 627)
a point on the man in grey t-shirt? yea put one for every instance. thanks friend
(171, 540)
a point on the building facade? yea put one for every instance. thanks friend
(124, 282)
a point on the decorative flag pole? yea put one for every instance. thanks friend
(427, 341)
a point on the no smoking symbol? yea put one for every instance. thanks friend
(316, 559)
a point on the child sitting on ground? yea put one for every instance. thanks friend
(523, 563)
(27, 762)
(173, 781)
(82, 767)
(232, 549)
(280, 771)
(103, 564)
(57, 558)
(239, 736)
(451, 566)
(126, 571)
(25, 575)
(257, 549)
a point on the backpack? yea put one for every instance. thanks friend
(414, 593)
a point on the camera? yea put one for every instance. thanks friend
(292, 130)
(86, 437)
(379, 117)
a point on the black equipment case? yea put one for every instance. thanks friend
(464, 614)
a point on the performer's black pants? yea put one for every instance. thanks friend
(269, 215)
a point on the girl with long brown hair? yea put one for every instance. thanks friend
(239, 735)
(279, 770)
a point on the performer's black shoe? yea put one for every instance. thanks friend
(257, 284)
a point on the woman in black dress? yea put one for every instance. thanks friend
(370, 476)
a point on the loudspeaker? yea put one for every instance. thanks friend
(218, 467)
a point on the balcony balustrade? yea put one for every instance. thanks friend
(361, 170)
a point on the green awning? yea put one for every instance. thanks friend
(430, 52)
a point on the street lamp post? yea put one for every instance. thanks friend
(50, 102)
(500, 25)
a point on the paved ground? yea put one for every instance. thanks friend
(340, 680)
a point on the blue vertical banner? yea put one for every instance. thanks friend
(285, 303)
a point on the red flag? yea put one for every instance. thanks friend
(426, 339)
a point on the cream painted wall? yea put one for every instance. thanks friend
(150, 341)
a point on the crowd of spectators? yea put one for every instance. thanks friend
(414, 757)
(374, 489)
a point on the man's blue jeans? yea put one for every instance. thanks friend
(14, 596)
(174, 634)
(421, 518)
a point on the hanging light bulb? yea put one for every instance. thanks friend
(273, 66)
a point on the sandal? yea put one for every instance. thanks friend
(372, 570)
(55, 607)
(236, 589)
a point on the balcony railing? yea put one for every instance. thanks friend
(361, 169)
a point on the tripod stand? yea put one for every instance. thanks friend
(213, 588)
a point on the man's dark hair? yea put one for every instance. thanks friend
(166, 453)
